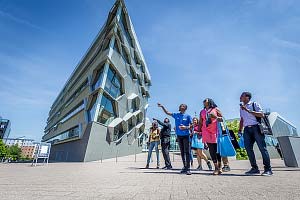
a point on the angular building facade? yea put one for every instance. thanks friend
(4, 128)
(100, 112)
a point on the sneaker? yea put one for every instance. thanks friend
(183, 171)
(267, 173)
(188, 172)
(170, 167)
(199, 168)
(209, 166)
(165, 167)
(252, 171)
(226, 168)
(217, 172)
(147, 166)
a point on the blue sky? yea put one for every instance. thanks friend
(193, 49)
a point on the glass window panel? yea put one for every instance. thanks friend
(98, 79)
(114, 91)
(125, 30)
(108, 85)
(107, 113)
(72, 133)
(117, 81)
(110, 74)
(72, 113)
(93, 108)
(113, 84)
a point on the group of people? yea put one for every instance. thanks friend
(199, 134)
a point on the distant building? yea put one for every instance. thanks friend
(28, 151)
(101, 109)
(4, 128)
(19, 141)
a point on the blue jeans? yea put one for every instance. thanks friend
(151, 147)
(252, 135)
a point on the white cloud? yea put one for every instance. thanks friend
(19, 20)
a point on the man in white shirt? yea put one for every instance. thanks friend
(251, 114)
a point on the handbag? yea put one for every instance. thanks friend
(197, 142)
(225, 147)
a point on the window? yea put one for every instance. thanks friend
(136, 59)
(118, 133)
(93, 107)
(73, 112)
(69, 134)
(119, 35)
(113, 83)
(124, 29)
(107, 111)
(143, 68)
(134, 105)
(125, 55)
(130, 124)
(132, 73)
(140, 80)
(139, 118)
(98, 79)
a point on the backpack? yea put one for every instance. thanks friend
(263, 123)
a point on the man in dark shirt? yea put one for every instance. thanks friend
(165, 135)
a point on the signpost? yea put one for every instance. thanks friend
(42, 151)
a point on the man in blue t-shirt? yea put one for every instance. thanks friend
(182, 127)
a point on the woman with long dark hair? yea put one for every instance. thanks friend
(208, 124)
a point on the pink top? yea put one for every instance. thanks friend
(196, 128)
(209, 133)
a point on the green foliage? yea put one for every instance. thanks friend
(3, 149)
(14, 152)
(241, 154)
(234, 125)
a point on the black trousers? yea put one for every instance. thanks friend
(213, 148)
(165, 148)
(251, 135)
(184, 145)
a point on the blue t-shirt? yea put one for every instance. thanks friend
(182, 119)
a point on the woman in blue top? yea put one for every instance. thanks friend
(182, 128)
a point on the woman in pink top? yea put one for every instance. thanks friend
(208, 124)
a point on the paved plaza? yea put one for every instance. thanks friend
(127, 179)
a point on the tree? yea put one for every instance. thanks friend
(14, 152)
(3, 149)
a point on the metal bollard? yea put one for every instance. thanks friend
(134, 154)
(173, 157)
(117, 156)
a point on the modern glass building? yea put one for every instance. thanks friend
(280, 127)
(101, 109)
(4, 128)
